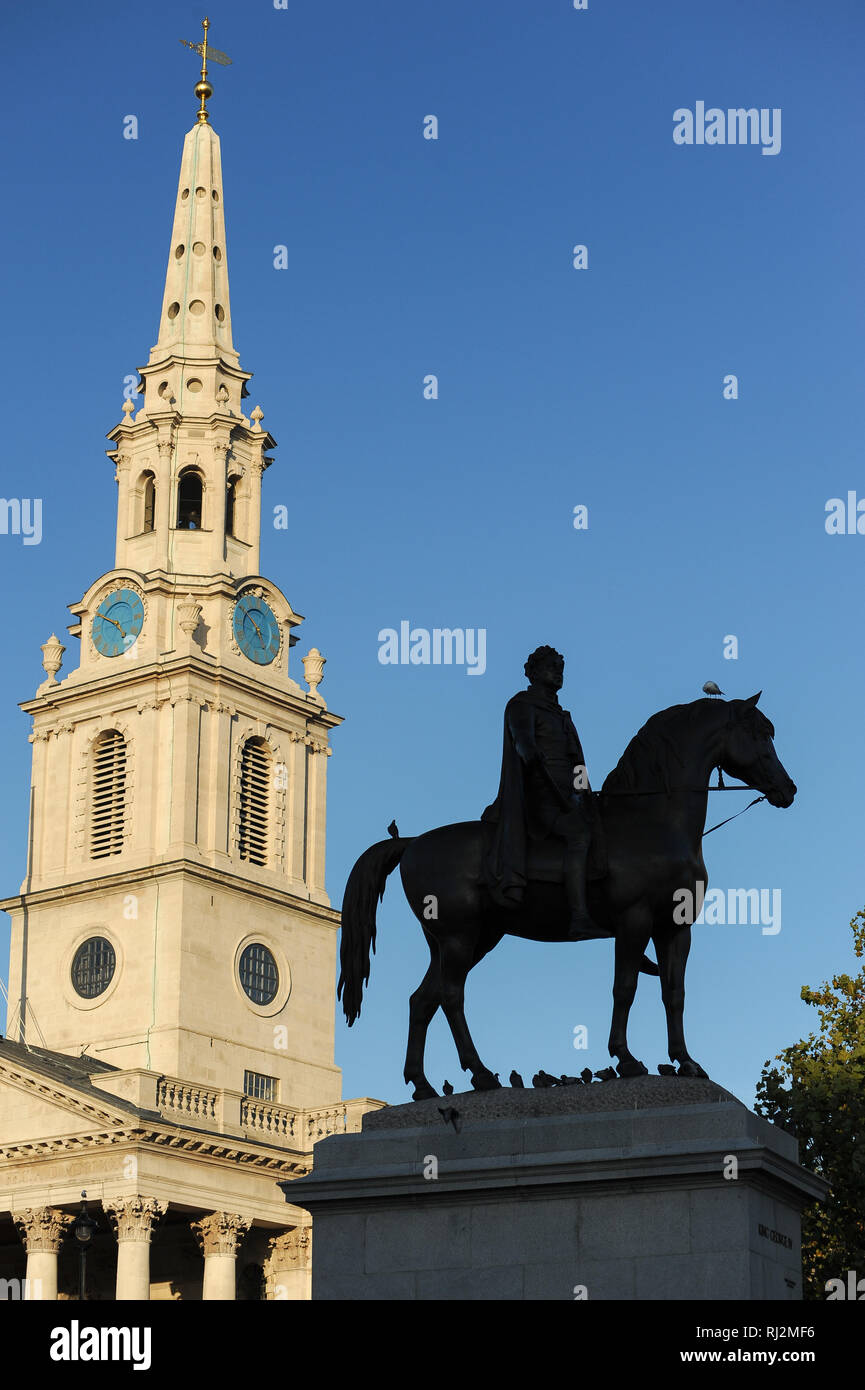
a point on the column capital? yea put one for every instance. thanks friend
(292, 1247)
(42, 1228)
(220, 1233)
(134, 1218)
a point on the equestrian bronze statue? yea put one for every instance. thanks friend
(551, 861)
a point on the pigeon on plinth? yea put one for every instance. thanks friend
(542, 1080)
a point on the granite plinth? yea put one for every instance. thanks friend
(650, 1188)
(630, 1093)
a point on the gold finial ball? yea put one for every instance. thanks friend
(203, 91)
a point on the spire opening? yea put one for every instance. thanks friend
(189, 499)
(230, 497)
(149, 518)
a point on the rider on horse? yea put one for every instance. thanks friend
(544, 791)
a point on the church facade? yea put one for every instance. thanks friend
(170, 1029)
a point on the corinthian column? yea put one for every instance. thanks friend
(218, 1236)
(42, 1230)
(133, 1218)
(288, 1267)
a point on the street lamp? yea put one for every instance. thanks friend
(83, 1232)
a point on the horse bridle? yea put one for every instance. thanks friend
(721, 787)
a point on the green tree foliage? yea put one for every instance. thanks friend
(818, 1094)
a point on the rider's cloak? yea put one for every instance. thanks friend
(510, 816)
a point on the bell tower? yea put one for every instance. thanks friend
(174, 917)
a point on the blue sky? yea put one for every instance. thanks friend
(557, 387)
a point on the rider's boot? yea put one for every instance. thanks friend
(581, 926)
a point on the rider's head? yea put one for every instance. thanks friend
(546, 662)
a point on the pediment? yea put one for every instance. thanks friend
(34, 1107)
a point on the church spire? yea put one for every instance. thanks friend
(189, 462)
(196, 315)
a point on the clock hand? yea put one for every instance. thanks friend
(255, 625)
(121, 630)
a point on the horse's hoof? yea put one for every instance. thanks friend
(690, 1068)
(424, 1091)
(485, 1080)
(632, 1068)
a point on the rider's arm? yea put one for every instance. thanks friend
(521, 722)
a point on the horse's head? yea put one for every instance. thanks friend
(749, 752)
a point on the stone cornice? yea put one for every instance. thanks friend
(189, 358)
(378, 1186)
(227, 683)
(204, 1145)
(155, 419)
(171, 583)
(171, 868)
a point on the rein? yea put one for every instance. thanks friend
(698, 791)
(738, 813)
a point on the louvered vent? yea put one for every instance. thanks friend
(254, 801)
(108, 795)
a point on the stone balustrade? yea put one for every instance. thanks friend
(184, 1102)
(231, 1112)
(265, 1117)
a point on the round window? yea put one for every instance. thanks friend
(93, 967)
(258, 974)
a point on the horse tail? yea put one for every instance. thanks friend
(363, 892)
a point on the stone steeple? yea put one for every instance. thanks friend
(189, 462)
(196, 317)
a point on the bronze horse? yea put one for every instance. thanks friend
(653, 808)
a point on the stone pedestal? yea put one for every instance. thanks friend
(654, 1188)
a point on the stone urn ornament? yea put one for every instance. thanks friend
(313, 670)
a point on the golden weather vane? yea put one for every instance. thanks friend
(203, 89)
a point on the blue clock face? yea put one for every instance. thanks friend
(256, 630)
(117, 622)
